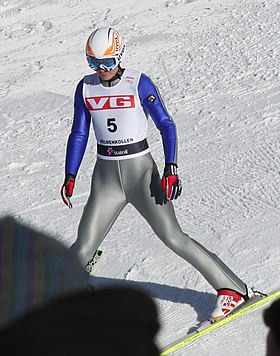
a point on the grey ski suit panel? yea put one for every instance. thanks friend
(137, 181)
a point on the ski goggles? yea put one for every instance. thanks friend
(103, 63)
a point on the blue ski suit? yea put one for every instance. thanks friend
(125, 171)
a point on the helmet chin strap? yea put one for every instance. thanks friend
(113, 81)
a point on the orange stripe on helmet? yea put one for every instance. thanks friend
(115, 43)
(89, 50)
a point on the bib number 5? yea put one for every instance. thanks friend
(111, 124)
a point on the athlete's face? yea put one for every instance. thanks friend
(107, 75)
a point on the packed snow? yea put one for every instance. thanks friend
(216, 63)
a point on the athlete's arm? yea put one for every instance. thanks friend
(78, 137)
(153, 105)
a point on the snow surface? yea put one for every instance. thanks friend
(216, 63)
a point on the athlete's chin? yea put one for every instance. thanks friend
(105, 75)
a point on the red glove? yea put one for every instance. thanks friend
(170, 182)
(67, 189)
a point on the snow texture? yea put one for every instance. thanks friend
(216, 63)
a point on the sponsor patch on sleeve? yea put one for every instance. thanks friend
(151, 98)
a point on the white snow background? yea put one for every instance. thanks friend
(216, 63)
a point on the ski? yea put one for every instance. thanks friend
(92, 263)
(253, 303)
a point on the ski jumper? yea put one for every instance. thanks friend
(125, 171)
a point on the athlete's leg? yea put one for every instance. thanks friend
(104, 204)
(146, 197)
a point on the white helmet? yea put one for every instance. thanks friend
(103, 45)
